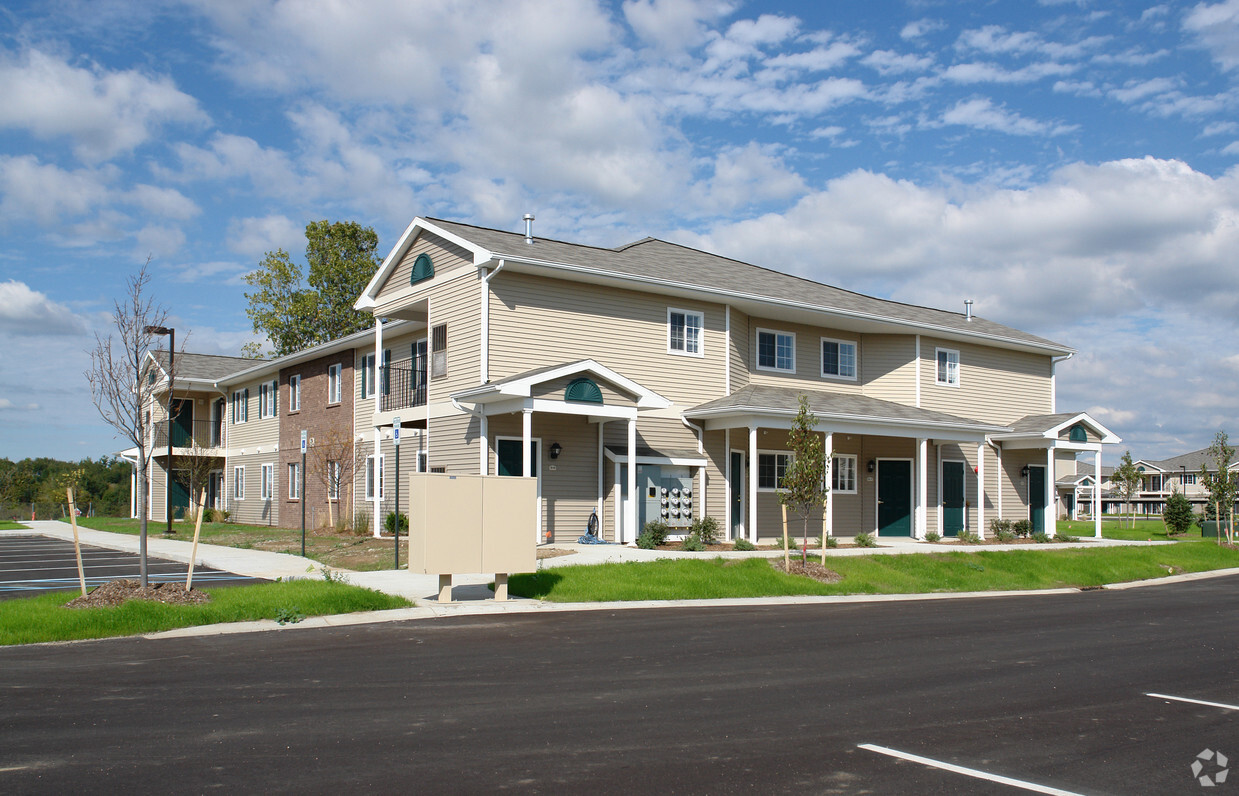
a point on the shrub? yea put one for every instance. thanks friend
(693, 543)
(389, 524)
(1178, 514)
(657, 531)
(968, 537)
(866, 540)
(933, 537)
(832, 542)
(360, 524)
(1062, 537)
(1006, 534)
(706, 530)
(999, 526)
(1040, 537)
(1022, 527)
(646, 541)
(744, 545)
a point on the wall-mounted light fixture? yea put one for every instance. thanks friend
(872, 465)
(1024, 472)
(556, 449)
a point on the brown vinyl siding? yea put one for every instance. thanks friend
(536, 321)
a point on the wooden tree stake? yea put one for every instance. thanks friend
(193, 553)
(77, 547)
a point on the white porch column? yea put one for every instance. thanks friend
(753, 484)
(483, 445)
(1097, 494)
(829, 518)
(981, 489)
(922, 487)
(729, 522)
(1051, 490)
(630, 517)
(376, 478)
(602, 493)
(527, 458)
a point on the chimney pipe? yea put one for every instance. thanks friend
(968, 309)
(529, 227)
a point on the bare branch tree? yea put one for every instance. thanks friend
(117, 384)
(333, 461)
(194, 470)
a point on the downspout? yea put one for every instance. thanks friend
(1053, 385)
(483, 432)
(484, 359)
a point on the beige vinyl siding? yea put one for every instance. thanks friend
(536, 322)
(253, 510)
(996, 385)
(401, 347)
(158, 482)
(611, 396)
(446, 256)
(659, 434)
(257, 432)
(457, 303)
(846, 508)
(716, 479)
(888, 367)
(1015, 486)
(454, 443)
(881, 448)
(739, 353)
(938, 456)
(808, 372)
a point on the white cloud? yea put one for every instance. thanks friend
(103, 112)
(164, 202)
(745, 177)
(24, 311)
(1134, 90)
(981, 113)
(254, 237)
(674, 25)
(1216, 27)
(158, 242)
(922, 27)
(993, 73)
(889, 62)
(6, 404)
(34, 191)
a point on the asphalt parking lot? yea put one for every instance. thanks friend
(36, 564)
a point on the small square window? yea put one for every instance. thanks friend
(684, 332)
(843, 474)
(776, 351)
(948, 367)
(771, 467)
(838, 359)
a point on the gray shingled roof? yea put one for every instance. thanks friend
(1039, 424)
(1192, 461)
(670, 453)
(656, 259)
(830, 404)
(207, 367)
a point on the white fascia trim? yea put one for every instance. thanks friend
(367, 299)
(1108, 437)
(591, 411)
(523, 388)
(622, 458)
(843, 424)
(348, 343)
(723, 296)
(1139, 462)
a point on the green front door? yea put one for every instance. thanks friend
(509, 454)
(737, 494)
(1036, 497)
(183, 424)
(952, 498)
(895, 497)
(178, 496)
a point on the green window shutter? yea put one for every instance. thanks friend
(423, 268)
(584, 391)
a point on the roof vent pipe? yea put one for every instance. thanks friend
(529, 227)
(967, 309)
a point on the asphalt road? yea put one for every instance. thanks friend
(1048, 690)
(35, 564)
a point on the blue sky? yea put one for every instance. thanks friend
(1069, 166)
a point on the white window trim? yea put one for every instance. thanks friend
(267, 486)
(240, 407)
(855, 473)
(335, 379)
(757, 350)
(761, 453)
(294, 480)
(958, 367)
(367, 375)
(701, 333)
(238, 482)
(370, 477)
(333, 480)
(268, 405)
(855, 358)
(294, 393)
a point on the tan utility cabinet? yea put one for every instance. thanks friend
(464, 524)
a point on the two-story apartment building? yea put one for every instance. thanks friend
(655, 380)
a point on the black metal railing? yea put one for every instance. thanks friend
(197, 433)
(402, 384)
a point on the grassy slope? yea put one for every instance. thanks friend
(898, 574)
(42, 618)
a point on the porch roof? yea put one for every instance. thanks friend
(1047, 428)
(521, 385)
(863, 414)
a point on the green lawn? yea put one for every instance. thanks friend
(697, 579)
(1112, 528)
(6, 525)
(43, 618)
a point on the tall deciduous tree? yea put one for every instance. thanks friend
(296, 312)
(803, 488)
(117, 384)
(1127, 478)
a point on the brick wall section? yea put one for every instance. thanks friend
(316, 417)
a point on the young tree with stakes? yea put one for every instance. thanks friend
(1222, 483)
(1127, 478)
(803, 488)
(117, 386)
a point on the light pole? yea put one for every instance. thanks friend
(167, 485)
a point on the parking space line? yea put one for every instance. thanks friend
(1222, 705)
(970, 772)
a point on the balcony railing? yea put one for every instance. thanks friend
(403, 385)
(198, 433)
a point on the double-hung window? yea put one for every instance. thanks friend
(771, 467)
(369, 377)
(267, 392)
(333, 383)
(419, 372)
(684, 332)
(776, 351)
(238, 482)
(838, 359)
(948, 367)
(268, 481)
(843, 474)
(294, 481)
(373, 473)
(241, 406)
(294, 393)
(333, 480)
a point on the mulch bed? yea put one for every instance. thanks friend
(117, 592)
(553, 552)
(810, 569)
